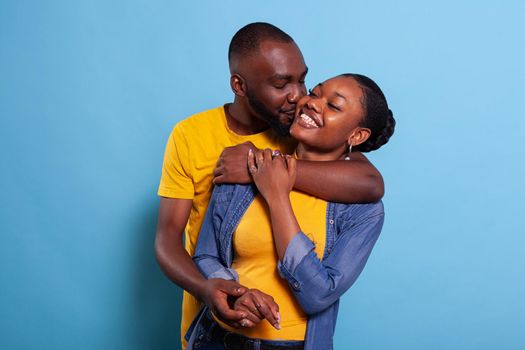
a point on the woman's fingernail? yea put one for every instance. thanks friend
(250, 152)
(277, 326)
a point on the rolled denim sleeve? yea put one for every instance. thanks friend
(318, 284)
(225, 274)
(299, 247)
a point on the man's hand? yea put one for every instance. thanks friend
(231, 166)
(258, 305)
(216, 295)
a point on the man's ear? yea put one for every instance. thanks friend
(358, 136)
(238, 85)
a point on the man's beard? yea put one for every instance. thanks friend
(273, 121)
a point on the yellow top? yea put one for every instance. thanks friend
(255, 260)
(191, 153)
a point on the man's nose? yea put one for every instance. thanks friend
(296, 93)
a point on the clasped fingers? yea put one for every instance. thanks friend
(259, 305)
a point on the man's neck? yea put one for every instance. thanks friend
(241, 121)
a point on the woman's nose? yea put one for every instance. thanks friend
(314, 104)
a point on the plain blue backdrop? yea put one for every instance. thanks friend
(90, 90)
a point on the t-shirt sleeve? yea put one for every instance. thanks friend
(176, 180)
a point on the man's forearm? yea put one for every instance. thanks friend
(344, 181)
(173, 259)
(178, 266)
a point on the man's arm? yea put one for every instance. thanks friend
(173, 259)
(345, 181)
(178, 266)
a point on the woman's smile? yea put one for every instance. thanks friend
(309, 122)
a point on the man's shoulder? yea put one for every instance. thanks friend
(205, 119)
(206, 125)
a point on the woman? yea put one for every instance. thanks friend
(293, 250)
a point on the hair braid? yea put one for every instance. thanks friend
(379, 139)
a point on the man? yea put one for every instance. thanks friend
(267, 78)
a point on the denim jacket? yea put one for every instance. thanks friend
(351, 232)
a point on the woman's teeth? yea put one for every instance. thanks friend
(308, 120)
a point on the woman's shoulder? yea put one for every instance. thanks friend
(231, 188)
(358, 211)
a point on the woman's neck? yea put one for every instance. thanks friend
(304, 152)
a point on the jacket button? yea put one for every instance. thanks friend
(296, 285)
(331, 221)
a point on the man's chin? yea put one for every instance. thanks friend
(280, 124)
(282, 129)
(284, 124)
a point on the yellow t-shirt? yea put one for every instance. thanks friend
(255, 260)
(191, 153)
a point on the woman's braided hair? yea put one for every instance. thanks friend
(377, 117)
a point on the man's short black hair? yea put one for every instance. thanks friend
(247, 40)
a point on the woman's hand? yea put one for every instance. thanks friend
(275, 178)
(273, 173)
(255, 302)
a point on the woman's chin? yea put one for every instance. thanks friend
(295, 132)
(301, 133)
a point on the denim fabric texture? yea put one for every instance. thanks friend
(317, 284)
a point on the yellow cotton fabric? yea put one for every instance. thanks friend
(192, 151)
(255, 260)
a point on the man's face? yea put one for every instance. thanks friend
(275, 82)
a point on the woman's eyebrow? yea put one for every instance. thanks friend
(338, 94)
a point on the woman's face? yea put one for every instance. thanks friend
(326, 118)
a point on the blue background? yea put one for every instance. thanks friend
(89, 92)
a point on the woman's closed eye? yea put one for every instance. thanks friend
(334, 107)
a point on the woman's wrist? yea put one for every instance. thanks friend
(281, 207)
(278, 199)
